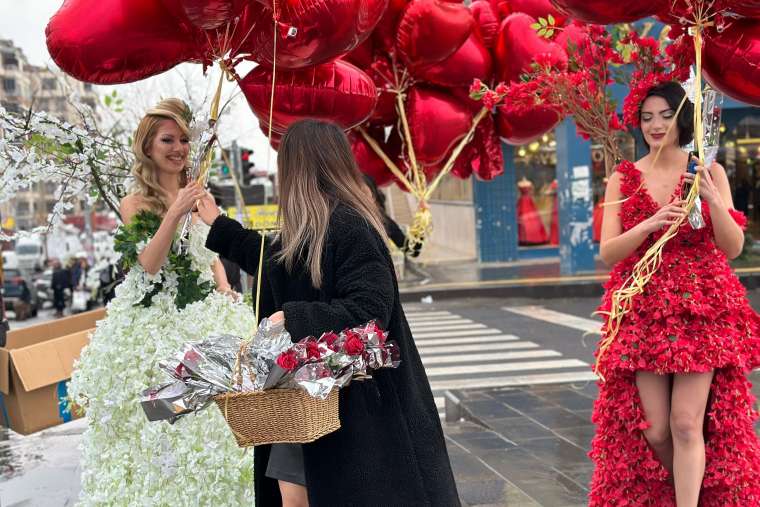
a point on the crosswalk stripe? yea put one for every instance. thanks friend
(504, 367)
(513, 380)
(439, 334)
(459, 349)
(446, 326)
(555, 317)
(453, 340)
(490, 357)
(440, 321)
(427, 314)
(442, 328)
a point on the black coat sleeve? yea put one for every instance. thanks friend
(234, 242)
(363, 282)
(395, 233)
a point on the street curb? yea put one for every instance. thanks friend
(534, 288)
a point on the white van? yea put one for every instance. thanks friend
(30, 254)
(10, 261)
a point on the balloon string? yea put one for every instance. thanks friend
(274, 80)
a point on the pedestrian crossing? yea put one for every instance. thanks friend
(460, 353)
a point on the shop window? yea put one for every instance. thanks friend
(9, 85)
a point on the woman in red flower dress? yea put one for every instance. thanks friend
(675, 414)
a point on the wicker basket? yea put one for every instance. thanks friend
(278, 416)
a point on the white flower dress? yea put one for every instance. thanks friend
(127, 460)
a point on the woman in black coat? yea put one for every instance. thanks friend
(329, 269)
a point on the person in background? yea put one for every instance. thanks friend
(22, 307)
(231, 269)
(60, 282)
(392, 229)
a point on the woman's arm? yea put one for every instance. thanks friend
(617, 245)
(155, 252)
(364, 286)
(220, 277)
(716, 191)
(230, 239)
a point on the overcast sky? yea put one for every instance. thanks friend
(24, 23)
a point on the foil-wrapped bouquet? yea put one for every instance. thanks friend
(224, 364)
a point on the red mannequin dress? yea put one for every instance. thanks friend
(692, 317)
(554, 228)
(530, 228)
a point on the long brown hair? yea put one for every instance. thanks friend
(317, 171)
(144, 169)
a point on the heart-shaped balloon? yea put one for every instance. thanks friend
(747, 8)
(731, 61)
(431, 31)
(370, 162)
(518, 45)
(117, 41)
(486, 21)
(437, 121)
(471, 61)
(575, 33)
(206, 14)
(523, 127)
(335, 91)
(310, 31)
(482, 155)
(382, 74)
(537, 9)
(604, 12)
(363, 55)
(385, 32)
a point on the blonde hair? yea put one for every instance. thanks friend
(316, 171)
(144, 169)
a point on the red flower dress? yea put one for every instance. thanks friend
(692, 317)
(530, 227)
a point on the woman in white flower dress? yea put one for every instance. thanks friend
(166, 299)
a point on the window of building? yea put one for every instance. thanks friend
(87, 87)
(10, 61)
(9, 85)
(22, 208)
(49, 83)
(11, 107)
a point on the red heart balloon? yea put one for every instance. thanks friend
(116, 41)
(731, 61)
(369, 162)
(382, 74)
(486, 21)
(437, 121)
(471, 61)
(363, 55)
(748, 8)
(604, 12)
(527, 126)
(537, 9)
(205, 14)
(335, 91)
(518, 45)
(385, 32)
(575, 33)
(482, 155)
(324, 30)
(431, 31)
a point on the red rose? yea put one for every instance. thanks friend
(353, 345)
(287, 360)
(329, 339)
(312, 350)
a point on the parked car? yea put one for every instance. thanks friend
(13, 288)
(30, 254)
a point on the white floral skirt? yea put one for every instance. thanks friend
(127, 460)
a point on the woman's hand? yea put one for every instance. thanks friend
(229, 292)
(665, 217)
(207, 209)
(277, 317)
(707, 188)
(187, 197)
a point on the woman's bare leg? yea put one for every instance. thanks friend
(687, 415)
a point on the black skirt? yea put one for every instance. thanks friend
(286, 464)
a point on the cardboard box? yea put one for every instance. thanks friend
(35, 365)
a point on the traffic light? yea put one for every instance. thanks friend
(246, 164)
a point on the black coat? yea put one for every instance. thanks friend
(390, 449)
